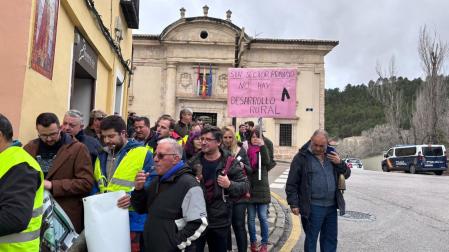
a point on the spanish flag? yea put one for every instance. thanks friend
(204, 86)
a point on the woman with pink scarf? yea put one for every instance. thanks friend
(259, 159)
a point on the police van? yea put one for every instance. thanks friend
(416, 158)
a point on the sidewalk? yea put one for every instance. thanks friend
(276, 222)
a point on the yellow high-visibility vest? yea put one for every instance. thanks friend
(28, 239)
(125, 174)
(149, 148)
(185, 139)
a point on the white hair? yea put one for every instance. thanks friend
(321, 132)
(77, 114)
(176, 148)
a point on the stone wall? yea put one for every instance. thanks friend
(284, 153)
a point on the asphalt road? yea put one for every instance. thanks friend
(389, 211)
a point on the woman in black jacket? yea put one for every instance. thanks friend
(259, 159)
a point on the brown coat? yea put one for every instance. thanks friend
(71, 176)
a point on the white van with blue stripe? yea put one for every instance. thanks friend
(416, 158)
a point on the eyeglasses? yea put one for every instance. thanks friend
(99, 118)
(162, 155)
(207, 140)
(46, 136)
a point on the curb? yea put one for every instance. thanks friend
(277, 232)
(291, 228)
(282, 161)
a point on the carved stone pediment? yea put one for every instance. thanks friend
(191, 32)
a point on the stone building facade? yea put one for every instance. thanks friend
(166, 68)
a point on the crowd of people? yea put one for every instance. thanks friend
(188, 183)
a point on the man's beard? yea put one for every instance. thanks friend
(116, 147)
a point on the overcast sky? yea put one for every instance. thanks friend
(369, 31)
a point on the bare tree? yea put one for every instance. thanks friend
(372, 141)
(388, 93)
(431, 102)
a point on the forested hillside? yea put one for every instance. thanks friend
(350, 111)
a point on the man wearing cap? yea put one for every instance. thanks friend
(21, 195)
(93, 129)
(73, 125)
(182, 128)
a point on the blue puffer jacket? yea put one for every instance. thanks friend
(136, 221)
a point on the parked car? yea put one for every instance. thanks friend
(416, 158)
(353, 163)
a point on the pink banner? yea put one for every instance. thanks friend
(262, 92)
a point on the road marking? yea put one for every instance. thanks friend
(296, 227)
(281, 180)
(278, 186)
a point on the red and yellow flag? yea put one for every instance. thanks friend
(204, 85)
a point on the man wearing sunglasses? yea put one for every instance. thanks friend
(174, 198)
(93, 128)
(66, 164)
(117, 166)
(219, 182)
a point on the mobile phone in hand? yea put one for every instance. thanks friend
(330, 149)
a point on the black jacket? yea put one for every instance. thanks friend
(18, 188)
(219, 211)
(176, 212)
(92, 144)
(270, 148)
(298, 188)
(182, 129)
(260, 189)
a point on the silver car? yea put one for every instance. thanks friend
(354, 163)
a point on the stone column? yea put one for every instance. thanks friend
(170, 93)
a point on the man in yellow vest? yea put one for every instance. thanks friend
(21, 195)
(117, 167)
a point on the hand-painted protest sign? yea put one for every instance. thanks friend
(262, 92)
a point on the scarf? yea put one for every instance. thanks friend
(172, 171)
(252, 156)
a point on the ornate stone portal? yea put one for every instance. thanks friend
(166, 74)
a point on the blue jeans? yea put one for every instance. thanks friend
(322, 221)
(262, 210)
